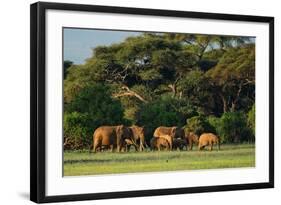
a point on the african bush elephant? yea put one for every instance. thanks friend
(128, 143)
(173, 132)
(111, 136)
(208, 139)
(191, 138)
(138, 135)
(159, 143)
(169, 139)
(179, 143)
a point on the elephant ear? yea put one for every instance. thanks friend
(195, 137)
(119, 129)
(140, 130)
(129, 132)
(173, 131)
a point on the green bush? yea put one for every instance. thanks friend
(91, 108)
(161, 112)
(198, 125)
(76, 130)
(214, 122)
(232, 127)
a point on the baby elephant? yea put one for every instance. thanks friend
(169, 139)
(179, 143)
(159, 143)
(208, 139)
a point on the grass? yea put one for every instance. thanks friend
(85, 163)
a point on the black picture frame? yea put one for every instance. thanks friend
(38, 101)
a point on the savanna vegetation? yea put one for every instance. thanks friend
(203, 83)
(230, 156)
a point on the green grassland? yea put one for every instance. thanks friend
(85, 163)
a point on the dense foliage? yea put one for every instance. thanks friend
(200, 82)
(251, 120)
(198, 125)
(232, 127)
(91, 108)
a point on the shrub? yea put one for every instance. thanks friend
(215, 123)
(76, 130)
(232, 127)
(199, 125)
(91, 108)
(160, 112)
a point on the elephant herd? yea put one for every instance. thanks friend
(121, 138)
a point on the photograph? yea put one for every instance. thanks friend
(139, 101)
(134, 102)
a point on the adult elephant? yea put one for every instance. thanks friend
(173, 132)
(191, 138)
(159, 143)
(179, 143)
(138, 135)
(111, 136)
(208, 139)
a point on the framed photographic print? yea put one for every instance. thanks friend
(129, 102)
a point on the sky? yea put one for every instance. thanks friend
(78, 43)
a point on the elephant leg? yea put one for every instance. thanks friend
(136, 148)
(118, 148)
(141, 147)
(111, 148)
(128, 147)
(95, 148)
(211, 146)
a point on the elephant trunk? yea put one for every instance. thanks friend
(135, 144)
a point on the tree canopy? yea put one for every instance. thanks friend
(158, 79)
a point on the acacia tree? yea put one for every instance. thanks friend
(234, 77)
(202, 74)
(148, 60)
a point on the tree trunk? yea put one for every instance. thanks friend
(224, 103)
(235, 101)
(174, 89)
(233, 105)
(129, 92)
